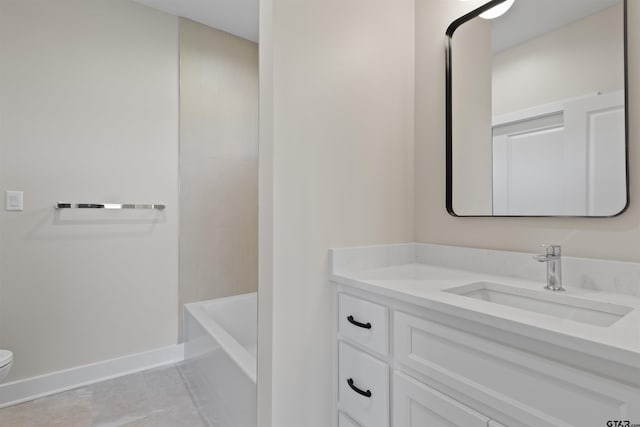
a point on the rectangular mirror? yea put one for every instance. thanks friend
(536, 117)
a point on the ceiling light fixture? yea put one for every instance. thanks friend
(498, 10)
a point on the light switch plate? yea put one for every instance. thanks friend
(15, 201)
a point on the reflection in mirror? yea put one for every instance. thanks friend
(536, 118)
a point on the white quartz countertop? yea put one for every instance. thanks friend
(424, 285)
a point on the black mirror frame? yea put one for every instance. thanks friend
(449, 116)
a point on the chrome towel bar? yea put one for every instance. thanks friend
(114, 206)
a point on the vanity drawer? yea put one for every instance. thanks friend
(363, 387)
(534, 390)
(364, 322)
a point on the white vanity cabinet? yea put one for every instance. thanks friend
(363, 372)
(431, 369)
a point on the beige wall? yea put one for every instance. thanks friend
(472, 137)
(218, 163)
(569, 62)
(616, 238)
(88, 113)
(265, 218)
(339, 135)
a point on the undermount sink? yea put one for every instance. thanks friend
(544, 302)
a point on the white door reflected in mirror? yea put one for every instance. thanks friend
(560, 159)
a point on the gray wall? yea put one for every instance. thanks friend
(568, 62)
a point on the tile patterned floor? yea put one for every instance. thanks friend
(154, 398)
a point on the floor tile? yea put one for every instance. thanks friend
(15, 415)
(154, 398)
(71, 408)
(178, 416)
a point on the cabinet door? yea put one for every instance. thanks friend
(363, 390)
(534, 390)
(418, 405)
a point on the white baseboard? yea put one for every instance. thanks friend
(68, 379)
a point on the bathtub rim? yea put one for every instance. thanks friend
(244, 359)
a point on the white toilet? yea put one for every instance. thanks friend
(6, 359)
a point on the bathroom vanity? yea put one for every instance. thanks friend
(430, 335)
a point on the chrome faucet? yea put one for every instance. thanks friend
(554, 267)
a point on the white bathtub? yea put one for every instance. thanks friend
(220, 338)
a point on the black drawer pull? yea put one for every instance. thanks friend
(358, 324)
(357, 390)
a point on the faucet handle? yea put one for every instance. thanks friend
(554, 250)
